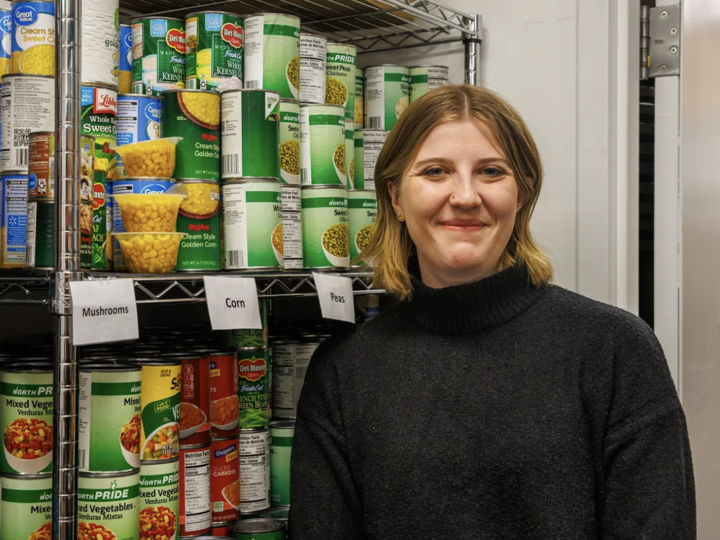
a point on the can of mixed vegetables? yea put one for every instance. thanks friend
(108, 506)
(159, 499)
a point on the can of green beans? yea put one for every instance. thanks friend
(281, 441)
(358, 178)
(159, 498)
(253, 387)
(362, 213)
(340, 85)
(199, 217)
(292, 227)
(258, 529)
(373, 142)
(26, 507)
(325, 227)
(40, 251)
(290, 141)
(242, 338)
(387, 88)
(322, 145)
(250, 133)
(350, 152)
(108, 505)
(359, 97)
(426, 78)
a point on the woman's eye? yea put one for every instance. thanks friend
(434, 172)
(493, 172)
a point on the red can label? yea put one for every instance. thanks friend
(195, 402)
(224, 409)
(225, 481)
(195, 507)
(221, 529)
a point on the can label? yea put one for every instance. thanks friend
(326, 241)
(424, 79)
(41, 166)
(292, 240)
(350, 152)
(290, 142)
(98, 119)
(109, 226)
(359, 97)
(250, 132)
(158, 63)
(87, 167)
(340, 84)
(195, 401)
(387, 89)
(195, 507)
(5, 40)
(159, 500)
(26, 507)
(160, 402)
(109, 506)
(313, 55)
(13, 220)
(254, 471)
(225, 483)
(358, 178)
(33, 38)
(322, 145)
(199, 217)
(100, 41)
(125, 61)
(272, 54)
(99, 225)
(40, 251)
(283, 383)
(281, 441)
(373, 142)
(362, 210)
(253, 388)
(252, 219)
(247, 337)
(138, 120)
(195, 116)
(214, 44)
(86, 233)
(223, 396)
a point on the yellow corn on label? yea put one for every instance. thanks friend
(33, 38)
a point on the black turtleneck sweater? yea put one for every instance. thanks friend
(492, 410)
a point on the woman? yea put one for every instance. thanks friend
(487, 404)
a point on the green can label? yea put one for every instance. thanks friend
(199, 217)
(359, 98)
(358, 179)
(387, 92)
(214, 44)
(40, 252)
(322, 145)
(86, 234)
(159, 500)
(26, 508)
(109, 420)
(158, 55)
(254, 388)
(27, 421)
(325, 228)
(272, 54)
(362, 210)
(426, 78)
(98, 119)
(340, 83)
(244, 337)
(281, 442)
(350, 152)
(108, 507)
(290, 142)
(193, 115)
(250, 134)
(160, 403)
(99, 225)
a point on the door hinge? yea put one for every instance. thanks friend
(660, 41)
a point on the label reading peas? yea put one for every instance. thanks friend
(290, 141)
(214, 51)
(387, 93)
(33, 38)
(199, 217)
(108, 507)
(158, 55)
(253, 388)
(159, 499)
(26, 508)
(160, 402)
(340, 85)
(362, 210)
(325, 228)
(322, 145)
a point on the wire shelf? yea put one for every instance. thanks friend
(24, 283)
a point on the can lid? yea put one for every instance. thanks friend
(131, 472)
(429, 66)
(325, 186)
(201, 446)
(196, 181)
(210, 12)
(43, 476)
(195, 91)
(138, 95)
(247, 90)
(276, 512)
(98, 84)
(288, 100)
(26, 367)
(257, 525)
(109, 367)
(387, 65)
(155, 462)
(13, 75)
(145, 17)
(263, 14)
(346, 45)
(252, 430)
(312, 34)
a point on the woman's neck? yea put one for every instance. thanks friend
(437, 278)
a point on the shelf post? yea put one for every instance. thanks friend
(473, 41)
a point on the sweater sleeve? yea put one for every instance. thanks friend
(325, 503)
(648, 489)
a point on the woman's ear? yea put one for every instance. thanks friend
(395, 198)
(524, 194)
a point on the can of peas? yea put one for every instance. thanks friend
(325, 227)
(340, 83)
(199, 217)
(254, 387)
(290, 141)
(322, 145)
(362, 210)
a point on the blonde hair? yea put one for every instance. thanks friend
(391, 245)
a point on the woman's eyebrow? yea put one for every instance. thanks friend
(446, 161)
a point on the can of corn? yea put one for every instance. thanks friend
(13, 219)
(125, 60)
(158, 62)
(258, 529)
(322, 145)
(5, 39)
(87, 167)
(138, 120)
(292, 227)
(98, 104)
(160, 403)
(159, 499)
(290, 141)
(350, 152)
(195, 399)
(254, 470)
(246, 337)
(253, 387)
(214, 42)
(27, 104)
(272, 53)
(199, 217)
(26, 417)
(100, 41)
(86, 234)
(373, 142)
(313, 66)
(426, 78)
(358, 179)
(41, 166)
(360, 97)
(195, 116)
(109, 505)
(40, 250)
(33, 37)
(99, 224)
(362, 213)
(225, 482)
(223, 394)
(387, 91)
(250, 133)
(325, 227)
(252, 224)
(340, 82)
(282, 433)
(26, 507)
(195, 507)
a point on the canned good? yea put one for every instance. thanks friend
(223, 394)
(159, 500)
(313, 58)
(322, 145)
(195, 401)
(358, 178)
(33, 37)
(290, 141)
(13, 219)
(108, 505)
(362, 213)
(99, 117)
(359, 97)
(281, 441)
(373, 142)
(5, 39)
(220, 531)
(109, 418)
(86, 234)
(26, 506)
(340, 84)
(87, 167)
(292, 227)
(109, 216)
(253, 387)
(252, 224)
(426, 78)
(254, 470)
(283, 381)
(195, 507)
(160, 403)
(99, 224)
(27, 104)
(258, 529)
(41, 166)
(387, 89)
(138, 120)
(272, 53)
(40, 242)
(195, 116)
(125, 60)
(325, 227)
(350, 152)
(250, 337)
(214, 42)
(158, 46)
(100, 41)
(281, 513)
(199, 217)
(225, 483)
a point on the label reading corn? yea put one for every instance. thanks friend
(108, 507)
(358, 180)
(350, 152)
(199, 217)
(158, 55)
(26, 508)
(426, 78)
(5, 40)
(362, 213)
(359, 97)
(138, 120)
(99, 224)
(125, 60)
(100, 41)
(214, 44)
(322, 145)
(160, 402)
(13, 220)
(33, 38)
(387, 95)
(98, 119)
(159, 500)
(290, 141)
(253, 388)
(340, 85)
(325, 228)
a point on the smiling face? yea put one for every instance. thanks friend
(459, 199)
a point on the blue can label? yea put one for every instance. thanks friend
(125, 48)
(13, 215)
(138, 120)
(5, 35)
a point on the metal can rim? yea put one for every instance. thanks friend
(153, 361)
(336, 44)
(306, 104)
(248, 431)
(248, 179)
(386, 65)
(282, 424)
(98, 366)
(137, 95)
(246, 90)
(153, 462)
(201, 446)
(119, 474)
(428, 66)
(239, 525)
(16, 476)
(146, 18)
(41, 199)
(263, 13)
(210, 12)
(196, 181)
(143, 178)
(98, 84)
(13, 75)
(195, 90)
(324, 186)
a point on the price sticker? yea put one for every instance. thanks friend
(103, 311)
(232, 303)
(336, 297)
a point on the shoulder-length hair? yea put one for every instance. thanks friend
(391, 245)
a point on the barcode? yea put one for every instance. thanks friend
(304, 176)
(21, 157)
(51, 178)
(235, 258)
(376, 122)
(231, 164)
(250, 85)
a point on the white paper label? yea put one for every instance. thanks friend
(336, 297)
(103, 311)
(232, 303)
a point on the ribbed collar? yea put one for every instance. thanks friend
(473, 307)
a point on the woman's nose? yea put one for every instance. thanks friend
(465, 192)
